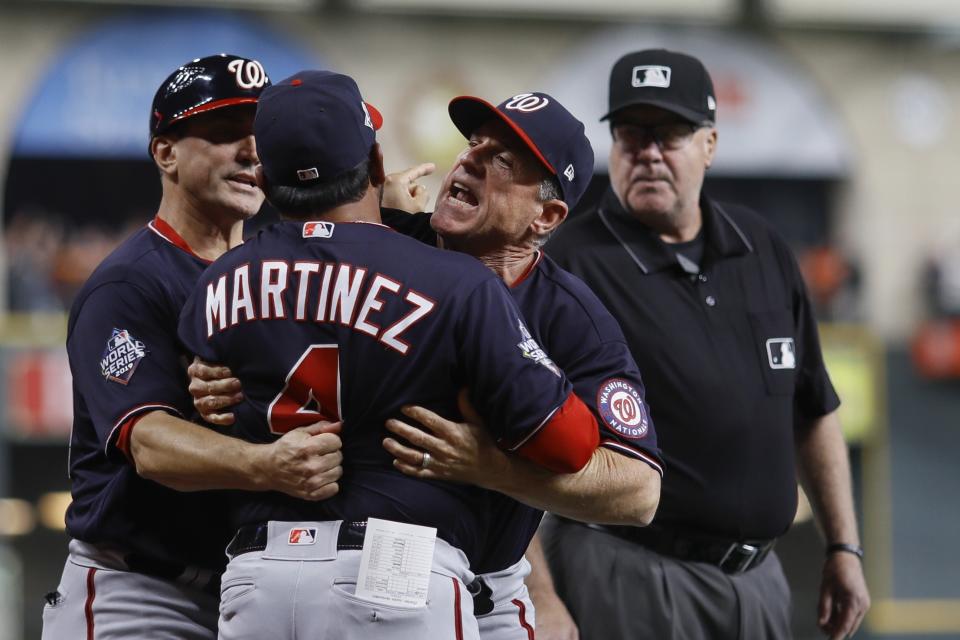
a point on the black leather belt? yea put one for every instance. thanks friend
(731, 556)
(206, 580)
(253, 537)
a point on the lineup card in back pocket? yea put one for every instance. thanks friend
(395, 564)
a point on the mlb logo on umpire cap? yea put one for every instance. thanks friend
(651, 75)
(312, 127)
(551, 133)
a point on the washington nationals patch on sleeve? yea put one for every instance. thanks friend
(622, 409)
(121, 357)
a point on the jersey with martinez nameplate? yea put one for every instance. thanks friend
(353, 321)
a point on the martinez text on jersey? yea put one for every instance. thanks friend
(325, 293)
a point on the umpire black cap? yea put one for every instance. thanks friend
(205, 84)
(669, 80)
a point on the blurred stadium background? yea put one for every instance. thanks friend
(837, 119)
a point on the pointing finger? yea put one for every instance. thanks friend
(419, 171)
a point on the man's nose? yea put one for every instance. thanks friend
(247, 151)
(472, 159)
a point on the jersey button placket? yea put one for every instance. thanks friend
(708, 298)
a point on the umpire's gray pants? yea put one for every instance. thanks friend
(619, 590)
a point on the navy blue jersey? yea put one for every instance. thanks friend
(126, 360)
(352, 321)
(569, 321)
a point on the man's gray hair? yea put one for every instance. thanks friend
(549, 190)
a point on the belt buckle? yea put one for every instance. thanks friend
(738, 558)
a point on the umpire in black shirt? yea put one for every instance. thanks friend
(716, 314)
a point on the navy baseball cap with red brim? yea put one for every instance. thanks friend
(554, 136)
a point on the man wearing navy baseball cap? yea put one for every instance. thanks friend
(314, 129)
(527, 163)
(329, 314)
(716, 314)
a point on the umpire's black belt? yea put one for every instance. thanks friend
(253, 537)
(731, 556)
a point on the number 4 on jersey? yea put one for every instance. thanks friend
(311, 393)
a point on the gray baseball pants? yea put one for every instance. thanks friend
(283, 593)
(99, 599)
(512, 617)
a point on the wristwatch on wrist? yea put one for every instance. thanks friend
(835, 547)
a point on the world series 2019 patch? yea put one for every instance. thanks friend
(532, 351)
(121, 356)
(622, 409)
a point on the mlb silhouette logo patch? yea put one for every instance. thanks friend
(121, 356)
(651, 75)
(301, 535)
(318, 229)
(781, 353)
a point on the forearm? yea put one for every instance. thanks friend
(539, 582)
(824, 471)
(610, 489)
(188, 457)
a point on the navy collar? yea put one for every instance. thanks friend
(723, 238)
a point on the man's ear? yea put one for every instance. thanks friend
(552, 214)
(377, 174)
(710, 146)
(164, 154)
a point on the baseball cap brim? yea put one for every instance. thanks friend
(687, 114)
(210, 106)
(469, 112)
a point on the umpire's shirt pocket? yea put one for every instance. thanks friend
(776, 347)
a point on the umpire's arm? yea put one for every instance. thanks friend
(824, 471)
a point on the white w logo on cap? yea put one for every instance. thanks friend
(526, 102)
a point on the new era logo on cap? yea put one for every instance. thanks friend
(651, 75)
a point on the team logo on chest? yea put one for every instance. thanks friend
(622, 408)
(121, 356)
(532, 351)
(302, 535)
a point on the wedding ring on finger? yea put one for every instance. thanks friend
(425, 461)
